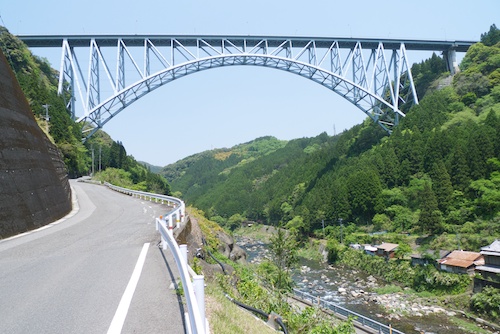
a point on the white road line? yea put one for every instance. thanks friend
(122, 310)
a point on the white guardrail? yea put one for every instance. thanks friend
(194, 289)
(359, 319)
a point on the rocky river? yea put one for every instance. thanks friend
(354, 290)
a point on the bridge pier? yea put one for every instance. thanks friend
(450, 56)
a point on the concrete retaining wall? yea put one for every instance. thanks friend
(34, 189)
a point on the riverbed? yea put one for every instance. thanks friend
(354, 290)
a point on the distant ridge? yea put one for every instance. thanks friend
(152, 168)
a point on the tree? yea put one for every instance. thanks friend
(438, 144)
(430, 216)
(426, 72)
(390, 169)
(487, 193)
(334, 249)
(480, 148)
(403, 218)
(339, 206)
(492, 37)
(286, 211)
(364, 187)
(474, 82)
(459, 170)
(492, 121)
(235, 221)
(411, 148)
(480, 58)
(487, 302)
(298, 227)
(284, 257)
(381, 222)
(441, 185)
(402, 250)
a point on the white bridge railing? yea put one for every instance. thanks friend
(193, 284)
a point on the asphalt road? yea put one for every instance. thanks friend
(78, 275)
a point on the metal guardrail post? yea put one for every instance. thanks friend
(183, 249)
(164, 244)
(199, 291)
(171, 225)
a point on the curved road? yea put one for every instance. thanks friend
(84, 274)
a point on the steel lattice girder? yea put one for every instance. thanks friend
(378, 85)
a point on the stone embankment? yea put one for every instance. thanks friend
(34, 189)
(190, 233)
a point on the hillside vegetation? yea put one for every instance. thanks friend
(437, 173)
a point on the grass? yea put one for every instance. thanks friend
(388, 289)
(311, 251)
(467, 326)
(256, 231)
(226, 318)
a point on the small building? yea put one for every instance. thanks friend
(430, 256)
(370, 250)
(386, 250)
(461, 262)
(491, 268)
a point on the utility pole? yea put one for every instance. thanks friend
(92, 148)
(100, 154)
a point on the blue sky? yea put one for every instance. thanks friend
(227, 106)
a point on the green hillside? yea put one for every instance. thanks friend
(438, 172)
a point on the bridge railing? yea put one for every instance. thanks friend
(193, 284)
(342, 311)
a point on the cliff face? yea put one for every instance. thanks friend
(34, 189)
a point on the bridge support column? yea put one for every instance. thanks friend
(451, 61)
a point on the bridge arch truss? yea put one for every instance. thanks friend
(374, 75)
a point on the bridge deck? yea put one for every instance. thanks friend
(273, 41)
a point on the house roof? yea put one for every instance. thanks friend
(370, 248)
(387, 247)
(491, 269)
(463, 259)
(493, 249)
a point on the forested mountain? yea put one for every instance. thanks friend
(439, 171)
(39, 83)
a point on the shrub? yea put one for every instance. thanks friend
(428, 278)
(487, 302)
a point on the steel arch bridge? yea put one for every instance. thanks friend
(372, 74)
